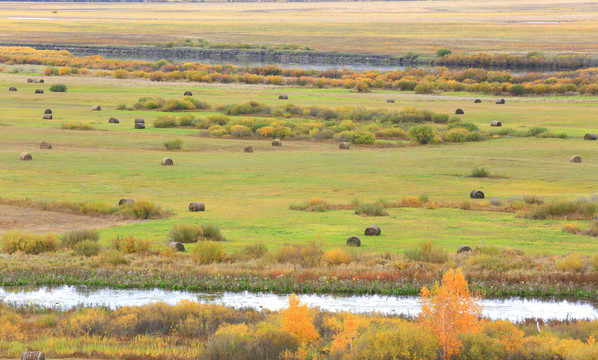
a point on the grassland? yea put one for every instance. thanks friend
(370, 27)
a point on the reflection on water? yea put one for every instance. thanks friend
(69, 296)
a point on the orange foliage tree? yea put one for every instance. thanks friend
(450, 310)
(297, 320)
(346, 333)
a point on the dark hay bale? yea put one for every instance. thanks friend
(248, 149)
(113, 121)
(96, 108)
(25, 156)
(167, 161)
(139, 121)
(47, 117)
(353, 241)
(188, 93)
(12, 88)
(283, 97)
(125, 201)
(372, 230)
(476, 194)
(500, 101)
(41, 81)
(176, 246)
(392, 101)
(589, 137)
(463, 248)
(48, 111)
(139, 126)
(496, 123)
(575, 159)
(459, 112)
(477, 101)
(33, 355)
(45, 145)
(39, 91)
(344, 146)
(276, 142)
(29, 80)
(197, 206)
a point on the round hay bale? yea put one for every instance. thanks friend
(33, 355)
(589, 137)
(48, 111)
(463, 248)
(139, 126)
(496, 123)
(176, 246)
(500, 101)
(459, 112)
(248, 149)
(45, 145)
(283, 97)
(25, 156)
(39, 91)
(125, 201)
(197, 206)
(113, 121)
(353, 241)
(12, 88)
(392, 101)
(276, 142)
(372, 230)
(167, 161)
(41, 81)
(96, 108)
(476, 194)
(575, 159)
(139, 121)
(47, 117)
(30, 80)
(477, 101)
(188, 93)
(344, 146)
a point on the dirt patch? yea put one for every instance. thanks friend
(40, 222)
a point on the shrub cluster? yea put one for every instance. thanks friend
(29, 243)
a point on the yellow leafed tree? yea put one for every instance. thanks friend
(297, 320)
(449, 310)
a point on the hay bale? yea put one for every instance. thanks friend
(477, 101)
(113, 121)
(33, 355)
(283, 97)
(12, 88)
(45, 145)
(575, 159)
(41, 81)
(167, 161)
(139, 121)
(188, 93)
(276, 142)
(248, 149)
(47, 117)
(476, 194)
(500, 101)
(344, 146)
(39, 91)
(30, 80)
(392, 101)
(372, 230)
(353, 241)
(589, 137)
(96, 108)
(459, 112)
(197, 206)
(496, 123)
(125, 201)
(25, 156)
(139, 126)
(463, 248)
(176, 246)
(48, 111)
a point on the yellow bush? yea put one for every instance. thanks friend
(571, 228)
(29, 243)
(411, 201)
(572, 263)
(121, 74)
(65, 70)
(594, 262)
(337, 257)
(207, 252)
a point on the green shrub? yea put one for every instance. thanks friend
(165, 122)
(76, 126)
(363, 137)
(218, 119)
(463, 125)
(207, 252)
(73, 237)
(187, 120)
(115, 257)
(269, 341)
(422, 134)
(479, 172)
(29, 243)
(58, 88)
(424, 88)
(443, 52)
(87, 248)
(211, 232)
(255, 251)
(185, 233)
(517, 90)
(427, 252)
(536, 130)
(370, 210)
(313, 204)
(174, 144)
(456, 135)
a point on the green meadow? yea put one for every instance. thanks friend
(248, 194)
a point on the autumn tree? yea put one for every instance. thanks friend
(346, 332)
(449, 310)
(297, 320)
